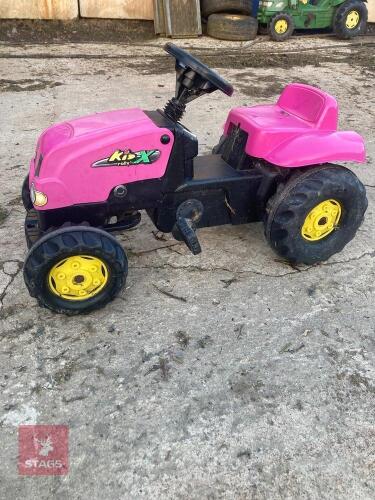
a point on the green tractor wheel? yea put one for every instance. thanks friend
(281, 27)
(350, 19)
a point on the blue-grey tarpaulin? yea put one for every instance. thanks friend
(255, 7)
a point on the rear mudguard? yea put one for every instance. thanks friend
(315, 148)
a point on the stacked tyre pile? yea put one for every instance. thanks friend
(229, 19)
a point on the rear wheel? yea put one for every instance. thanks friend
(350, 19)
(315, 214)
(75, 270)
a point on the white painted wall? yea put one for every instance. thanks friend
(371, 10)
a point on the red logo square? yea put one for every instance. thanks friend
(43, 450)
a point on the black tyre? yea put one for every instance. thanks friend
(25, 193)
(209, 7)
(315, 214)
(232, 27)
(75, 270)
(281, 27)
(350, 19)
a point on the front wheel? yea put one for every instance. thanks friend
(315, 214)
(281, 27)
(75, 270)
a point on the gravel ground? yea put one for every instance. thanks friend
(226, 375)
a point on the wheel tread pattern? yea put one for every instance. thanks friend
(303, 189)
(60, 243)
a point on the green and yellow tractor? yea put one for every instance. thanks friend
(347, 18)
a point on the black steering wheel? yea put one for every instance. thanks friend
(186, 60)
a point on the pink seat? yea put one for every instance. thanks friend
(299, 109)
(312, 105)
(284, 133)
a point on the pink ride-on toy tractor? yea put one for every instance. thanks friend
(91, 176)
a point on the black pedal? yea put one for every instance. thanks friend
(188, 214)
(184, 231)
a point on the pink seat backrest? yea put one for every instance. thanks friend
(310, 104)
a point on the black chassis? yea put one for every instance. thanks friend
(232, 187)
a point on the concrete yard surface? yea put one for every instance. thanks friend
(225, 375)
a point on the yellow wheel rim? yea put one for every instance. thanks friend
(281, 26)
(79, 277)
(321, 220)
(352, 19)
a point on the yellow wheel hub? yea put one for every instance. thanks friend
(281, 26)
(321, 220)
(352, 19)
(79, 277)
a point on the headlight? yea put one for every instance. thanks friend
(38, 199)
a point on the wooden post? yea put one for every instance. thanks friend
(159, 17)
(117, 9)
(183, 18)
(38, 9)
